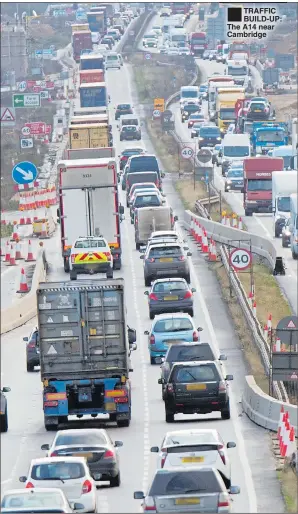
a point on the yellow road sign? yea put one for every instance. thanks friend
(159, 104)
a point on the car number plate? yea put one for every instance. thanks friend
(170, 297)
(187, 501)
(196, 387)
(192, 459)
(258, 110)
(85, 395)
(166, 259)
(86, 455)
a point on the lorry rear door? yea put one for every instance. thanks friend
(75, 207)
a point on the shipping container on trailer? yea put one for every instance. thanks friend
(80, 27)
(89, 136)
(89, 153)
(81, 41)
(92, 62)
(93, 118)
(93, 94)
(89, 203)
(90, 76)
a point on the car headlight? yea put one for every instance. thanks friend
(218, 139)
(184, 113)
(201, 138)
(229, 182)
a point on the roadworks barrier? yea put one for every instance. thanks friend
(24, 309)
(264, 410)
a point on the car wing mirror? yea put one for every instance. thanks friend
(146, 332)
(78, 506)
(121, 209)
(189, 254)
(22, 479)
(229, 377)
(175, 218)
(26, 339)
(234, 489)
(161, 381)
(200, 329)
(185, 248)
(118, 444)
(222, 357)
(138, 495)
(231, 444)
(142, 257)
(146, 293)
(193, 290)
(154, 449)
(45, 447)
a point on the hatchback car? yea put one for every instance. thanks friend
(149, 41)
(286, 234)
(193, 118)
(125, 154)
(186, 352)
(143, 188)
(95, 445)
(170, 295)
(187, 490)
(70, 474)
(91, 254)
(123, 109)
(209, 136)
(3, 411)
(165, 260)
(196, 387)
(37, 500)
(195, 131)
(32, 349)
(195, 447)
(169, 329)
(234, 180)
(130, 132)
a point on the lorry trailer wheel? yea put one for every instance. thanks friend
(117, 264)
(73, 275)
(4, 422)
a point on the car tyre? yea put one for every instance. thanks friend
(115, 481)
(51, 428)
(283, 244)
(147, 282)
(66, 264)
(247, 212)
(123, 187)
(73, 275)
(30, 368)
(187, 278)
(276, 233)
(225, 412)
(117, 264)
(121, 138)
(226, 190)
(121, 423)
(191, 313)
(152, 360)
(151, 315)
(169, 416)
(4, 421)
(137, 246)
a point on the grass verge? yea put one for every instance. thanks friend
(6, 230)
(289, 488)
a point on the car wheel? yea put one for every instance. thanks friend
(50, 427)
(169, 416)
(283, 244)
(131, 221)
(152, 360)
(151, 315)
(137, 246)
(191, 313)
(187, 278)
(225, 413)
(117, 264)
(294, 255)
(147, 282)
(115, 481)
(276, 233)
(30, 368)
(247, 212)
(121, 423)
(4, 422)
(127, 204)
(123, 187)
(66, 264)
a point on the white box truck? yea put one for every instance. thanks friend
(89, 204)
(284, 183)
(294, 225)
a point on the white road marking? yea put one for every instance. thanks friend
(258, 220)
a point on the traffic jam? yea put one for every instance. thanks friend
(112, 214)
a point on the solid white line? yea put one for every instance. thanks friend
(258, 220)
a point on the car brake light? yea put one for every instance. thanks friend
(151, 259)
(163, 458)
(87, 487)
(31, 345)
(149, 505)
(54, 454)
(181, 258)
(223, 500)
(152, 339)
(29, 485)
(222, 386)
(109, 454)
(195, 336)
(170, 388)
(153, 296)
(188, 294)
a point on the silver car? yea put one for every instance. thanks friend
(195, 490)
(165, 260)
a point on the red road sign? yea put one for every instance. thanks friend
(50, 84)
(31, 83)
(240, 259)
(36, 127)
(36, 89)
(48, 129)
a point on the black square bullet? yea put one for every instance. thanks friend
(234, 14)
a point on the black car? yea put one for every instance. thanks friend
(209, 136)
(234, 180)
(196, 387)
(186, 352)
(188, 109)
(3, 407)
(32, 350)
(129, 133)
(108, 41)
(128, 152)
(123, 109)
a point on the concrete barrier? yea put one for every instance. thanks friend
(263, 409)
(24, 308)
(225, 235)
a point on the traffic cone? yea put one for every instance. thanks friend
(286, 439)
(44, 233)
(28, 219)
(7, 252)
(18, 251)
(212, 251)
(23, 283)
(292, 448)
(22, 220)
(235, 220)
(3, 218)
(254, 309)
(30, 257)
(192, 227)
(15, 234)
(265, 333)
(269, 323)
(200, 233)
(12, 260)
(282, 410)
(240, 224)
(204, 246)
(283, 430)
(250, 299)
(223, 217)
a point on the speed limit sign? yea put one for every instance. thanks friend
(26, 131)
(187, 152)
(240, 259)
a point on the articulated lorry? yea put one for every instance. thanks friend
(258, 183)
(85, 347)
(225, 106)
(269, 134)
(81, 41)
(89, 203)
(284, 183)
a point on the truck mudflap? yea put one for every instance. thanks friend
(86, 397)
(116, 252)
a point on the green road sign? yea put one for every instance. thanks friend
(26, 100)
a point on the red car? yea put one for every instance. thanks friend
(193, 118)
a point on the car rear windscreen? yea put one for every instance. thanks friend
(173, 325)
(58, 471)
(200, 352)
(71, 439)
(152, 200)
(87, 243)
(165, 251)
(202, 373)
(177, 483)
(165, 287)
(144, 163)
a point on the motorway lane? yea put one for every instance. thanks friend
(26, 432)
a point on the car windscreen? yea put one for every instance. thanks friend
(236, 151)
(57, 471)
(41, 499)
(191, 108)
(143, 201)
(183, 353)
(259, 185)
(144, 163)
(112, 57)
(184, 482)
(209, 132)
(172, 325)
(165, 287)
(71, 439)
(129, 128)
(87, 243)
(123, 107)
(235, 173)
(130, 121)
(165, 251)
(202, 373)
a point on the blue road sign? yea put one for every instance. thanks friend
(148, 57)
(24, 172)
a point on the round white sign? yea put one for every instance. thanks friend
(156, 113)
(26, 131)
(22, 86)
(240, 259)
(187, 152)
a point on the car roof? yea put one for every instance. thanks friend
(147, 184)
(174, 315)
(152, 192)
(48, 460)
(193, 363)
(186, 469)
(168, 232)
(35, 491)
(134, 149)
(192, 431)
(170, 243)
(82, 431)
(159, 280)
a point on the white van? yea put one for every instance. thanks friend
(235, 147)
(128, 119)
(112, 61)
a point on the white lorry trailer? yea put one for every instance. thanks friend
(284, 183)
(89, 204)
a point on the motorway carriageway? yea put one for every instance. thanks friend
(253, 466)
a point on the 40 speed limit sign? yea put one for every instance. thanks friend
(187, 152)
(240, 259)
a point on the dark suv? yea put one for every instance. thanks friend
(209, 136)
(196, 387)
(32, 350)
(123, 109)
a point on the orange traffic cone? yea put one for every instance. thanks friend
(12, 261)
(22, 220)
(18, 251)
(7, 252)
(23, 283)
(44, 233)
(3, 218)
(28, 219)
(212, 251)
(204, 246)
(15, 234)
(30, 257)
